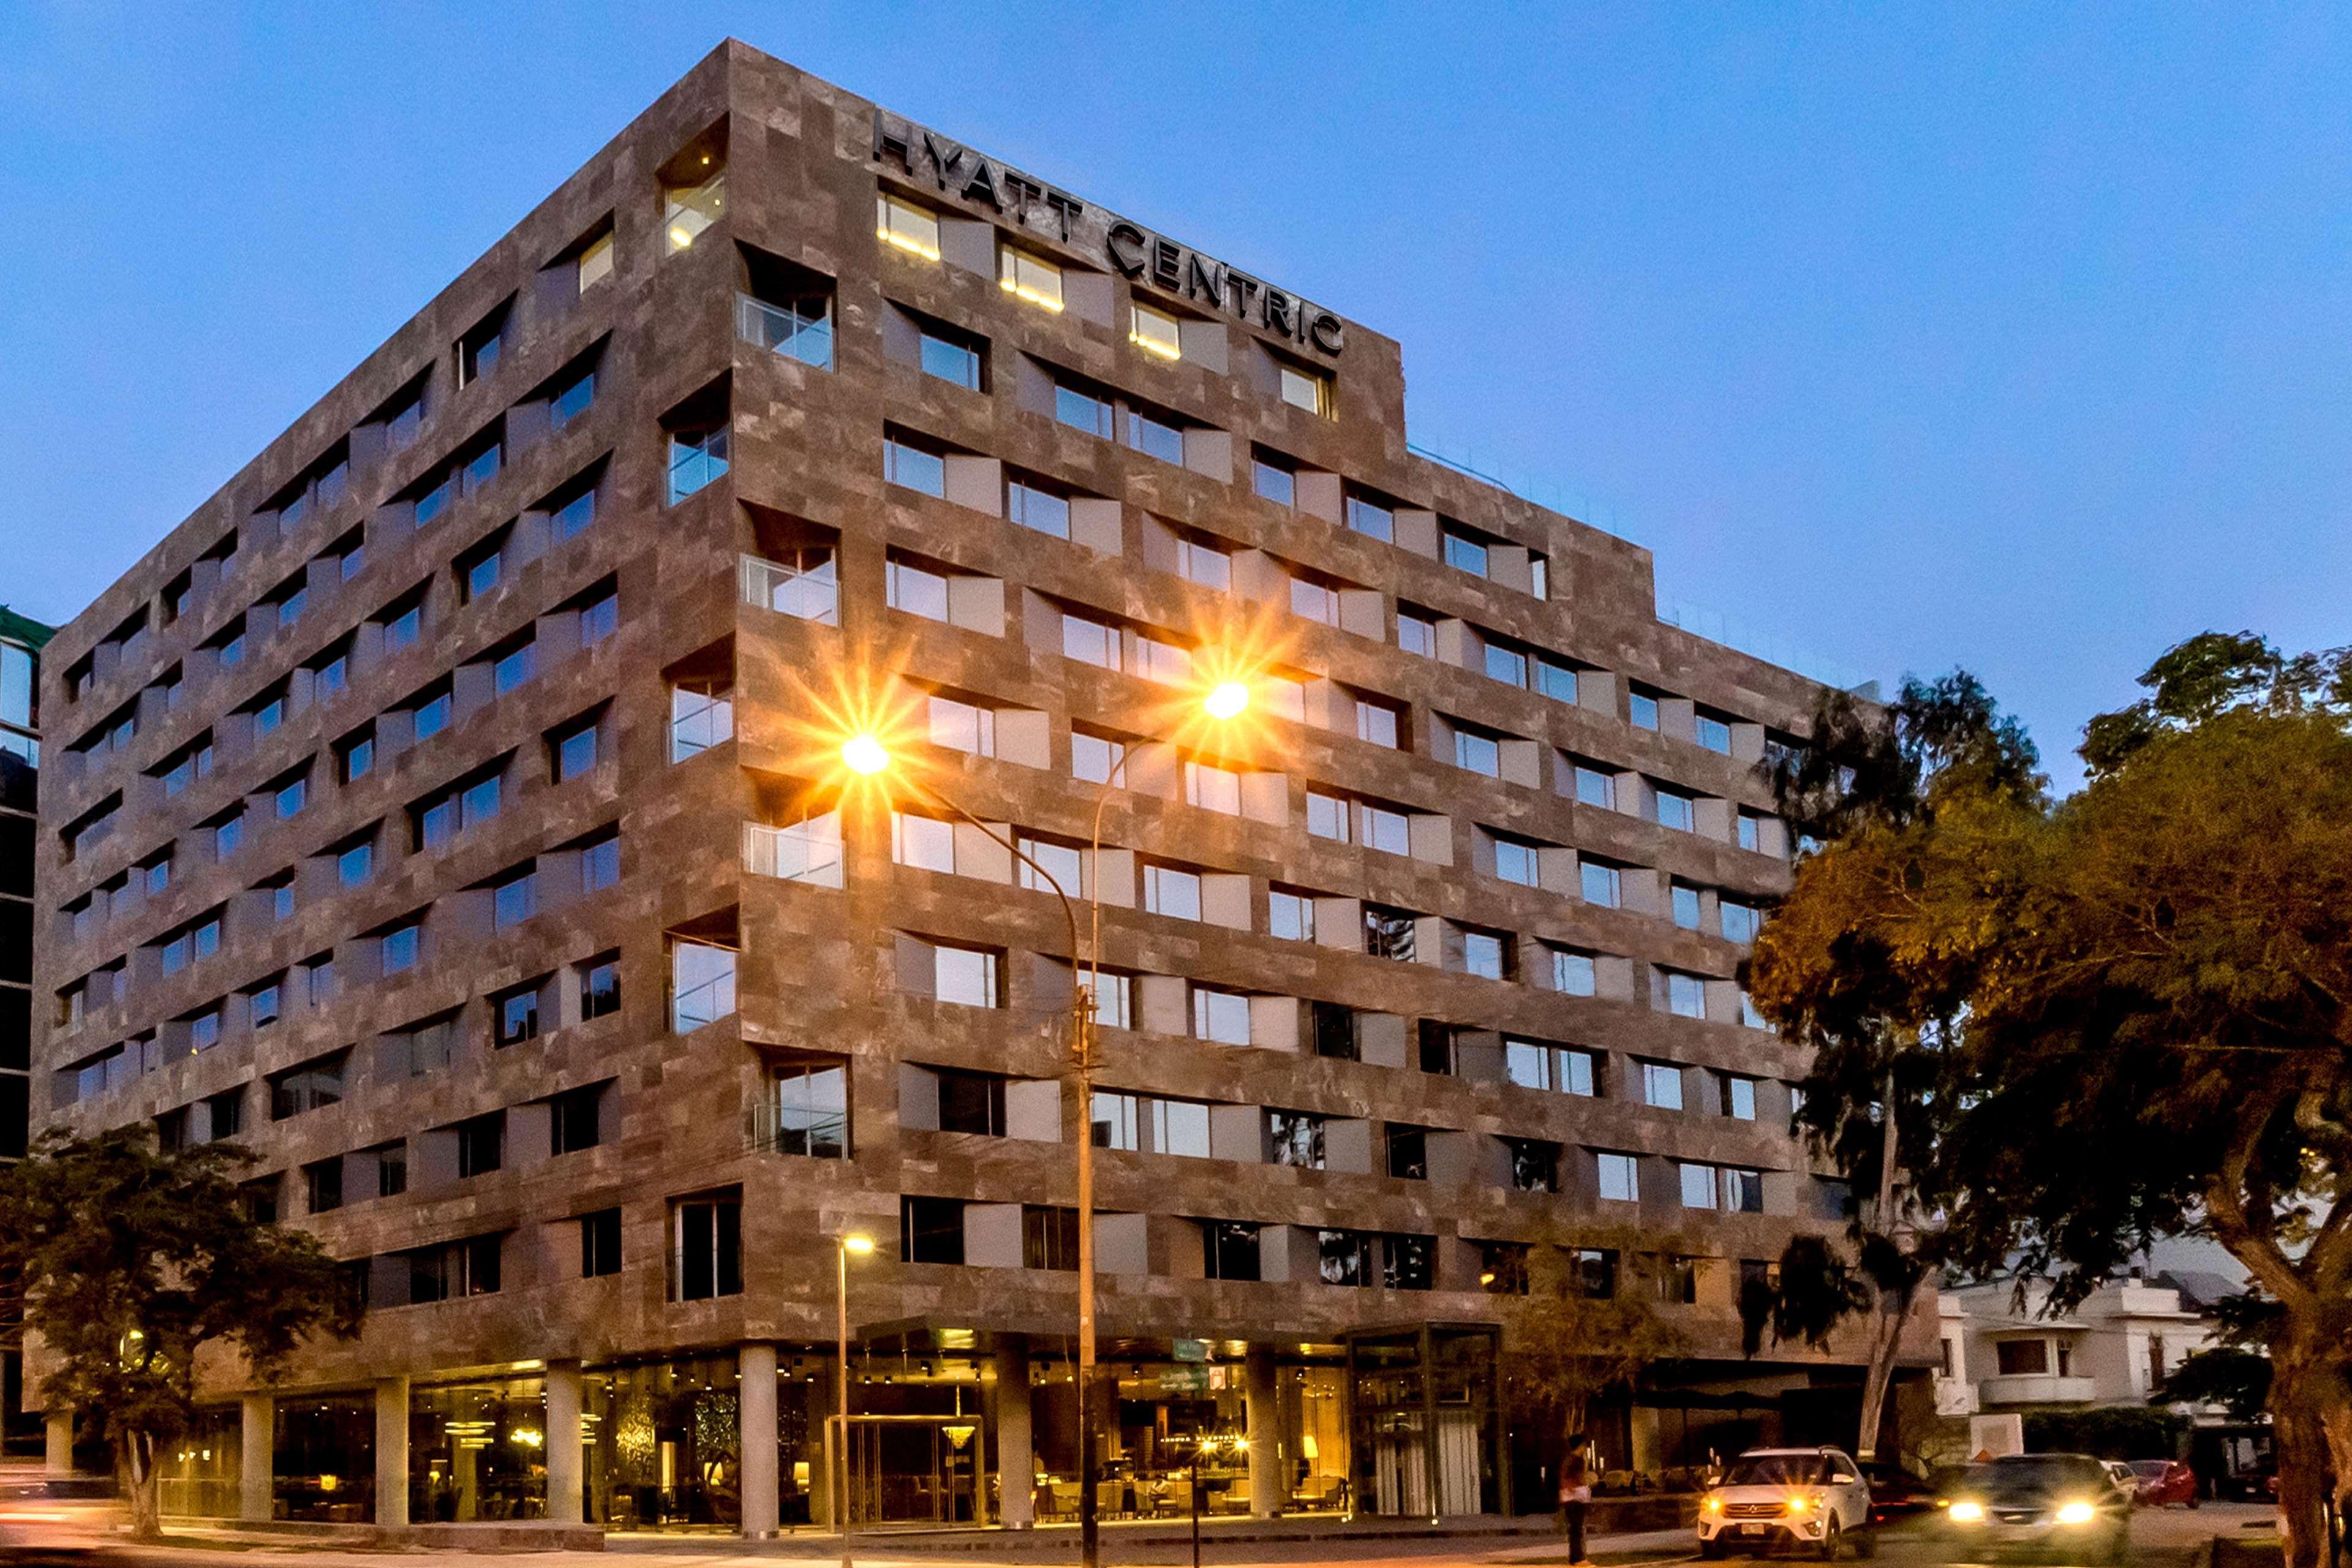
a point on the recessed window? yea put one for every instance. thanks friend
(1307, 389)
(967, 976)
(594, 262)
(695, 458)
(1739, 920)
(695, 203)
(702, 984)
(1155, 436)
(1642, 710)
(513, 668)
(1676, 811)
(955, 360)
(401, 947)
(1090, 642)
(1574, 973)
(913, 467)
(403, 625)
(599, 1244)
(701, 715)
(1028, 277)
(1594, 787)
(514, 900)
(1601, 885)
(1095, 759)
(1685, 994)
(1465, 553)
(900, 224)
(1619, 1178)
(1516, 860)
(1739, 1098)
(1171, 891)
(1684, 901)
(572, 399)
(573, 752)
(293, 796)
(575, 1121)
(479, 351)
(1155, 333)
(600, 862)
(1376, 722)
(1416, 634)
(1206, 564)
(1082, 410)
(481, 1145)
(1290, 915)
(1277, 482)
(600, 988)
(1712, 733)
(1555, 681)
(1221, 1018)
(355, 755)
(1212, 788)
(1036, 507)
(1371, 519)
(600, 617)
(514, 1016)
(356, 863)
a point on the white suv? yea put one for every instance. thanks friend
(1809, 1497)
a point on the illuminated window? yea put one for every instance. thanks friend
(595, 263)
(1305, 389)
(911, 228)
(1029, 277)
(1155, 333)
(687, 210)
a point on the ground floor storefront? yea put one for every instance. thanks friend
(946, 1428)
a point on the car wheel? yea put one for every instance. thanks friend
(1830, 1536)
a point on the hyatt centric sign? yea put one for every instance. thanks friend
(1133, 252)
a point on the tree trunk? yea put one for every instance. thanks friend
(2299, 1430)
(136, 1462)
(1885, 1340)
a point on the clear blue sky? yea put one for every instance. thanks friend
(2010, 338)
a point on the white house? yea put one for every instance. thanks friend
(2115, 1348)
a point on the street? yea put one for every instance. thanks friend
(2169, 1538)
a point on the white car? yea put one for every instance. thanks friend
(1811, 1499)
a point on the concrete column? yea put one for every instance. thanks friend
(1263, 1391)
(257, 1467)
(392, 1452)
(58, 1427)
(1016, 1456)
(755, 1403)
(563, 1451)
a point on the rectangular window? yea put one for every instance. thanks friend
(1082, 410)
(1314, 601)
(925, 842)
(400, 949)
(356, 863)
(1465, 553)
(575, 1120)
(1515, 861)
(1063, 862)
(600, 862)
(1090, 642)
(1676, 811)
(573, 399)
(1221, 1017)
(1030, 277)
(513, 668)
(1594, 787)
(1712, 733)
(1274, 482)
(1290, 915)
(695, 458)
(950, 360)
(1371, 519)
(702, 716)
(1683, 901)
(1416, 634)
(1155, 333)
(1327, 815)
(903, 226)
(1555, 681)
(1508, 665)
(963, 726)
(1535, 1165)
(1205, 564)
(1698, 1189)
(1574, 973)
(1751, 832)
(914, 467)
(1094, 759)
(706, 1248)
(1115, 1120)
(1739, 920)
(1228, 1249)
(600, 988)
(702, 984)
(1172, 891)
(919, 592)
(573, 752)
(1642, 710)
(1685, 994)
(1212, 788)
(1307, 390)
(1036, 508)
(966, 976)
(1478, 753)
(355, 756)
(600, 617)
(1601, 885)
(1662, 1086)
(313, 1085)
(1155, 437)
(1485, 954)
(1619, 1178)
(514, 900)
(1180, 1127)
(514, 1016)
(322, 1185)
(1376, 722)
(930, 1230)
(811, 1104)
(599, 1244)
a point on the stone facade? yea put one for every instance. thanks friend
(745, 587)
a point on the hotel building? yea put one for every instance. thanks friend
(452, 810)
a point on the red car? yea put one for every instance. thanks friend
(2164, 1482)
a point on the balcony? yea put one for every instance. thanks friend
(800, 330)
(2036, 1388)
(807, 588)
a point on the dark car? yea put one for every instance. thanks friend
(1897, 1494)
(2031, 1503)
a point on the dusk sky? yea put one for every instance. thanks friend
(2009, 338)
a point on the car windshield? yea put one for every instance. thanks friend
(2035, 1472)
(2150, 1469)
(1777, 1470)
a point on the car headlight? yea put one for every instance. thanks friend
(1800, 1503)
(1714, 1504)
(1967, 1512)
(2076, 1512)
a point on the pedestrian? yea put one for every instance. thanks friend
(1575, 1494)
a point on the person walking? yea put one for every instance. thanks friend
(1575, 1494)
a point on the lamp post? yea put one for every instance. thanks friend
(866, 756)
(862, 1245)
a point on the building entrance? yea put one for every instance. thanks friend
(915, 1469)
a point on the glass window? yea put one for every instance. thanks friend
(1064, 862)
(1751, 831)
(573, 399)
(1307, 390)
(1204, 564)
(707, 1250)
(1220, 1016)
(595, 261)
(1155, 333)
(515, 1016)
(914, 467)
(1641, 708)
(513, 668)
(1739, 920)
(1154, 438)
(1555, 681)
(1376, 722)
(1485, 954)
(1697, 1183)
(1164, 662)
(1167, 891)
(1314, 601)
(1620, 1179)
(695, 458)
(950, 361)
(402, 630)
(963, 726)
(1507, 665)
(1574, 973)
(1662, 1086)
(1594, 787)
(1212, 788)
(1090, 642)
(1515, 861)
(1180, 1127)
(1370, 518)
(1676, 811)
(1116, 1121)
(1686, 901)
(1739, 1098)
(1290, 915)
(599, 864)
(1027, 277)
(916, 591)
(400, 949)
(812, 1111)
(1327, 815)
(1095, 759)
(292, 796)
(926, 843)
(1466, 554)
(1686, 996)
(965, 975)
(356, 758)
(1478, 754)
(1032, 508)
(1712, 733)
(1416, 635)
(354, 865)
(1390, 832)
(1082, 411)
(702, 984)
(687, 210)
(1279, 484)
(904, 226)
(575, 753)
(600, 988)
(1602, 884)
(514, 900)
(702, 715)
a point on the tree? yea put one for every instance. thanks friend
(1869, 785)
(2239, 1381)
(1580, 1336)
(2148, 1027)
(134, 1261)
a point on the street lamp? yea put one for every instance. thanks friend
(864, 754)
(863, 1246)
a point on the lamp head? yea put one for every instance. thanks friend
(864, 754)
(859, 1245)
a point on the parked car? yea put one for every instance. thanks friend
(2163, 1483)
(2066, 1503)
(1897, 1494)
(1809, 1499)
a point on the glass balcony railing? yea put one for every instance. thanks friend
(800, 329)
(805, 852)
(806, 587)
